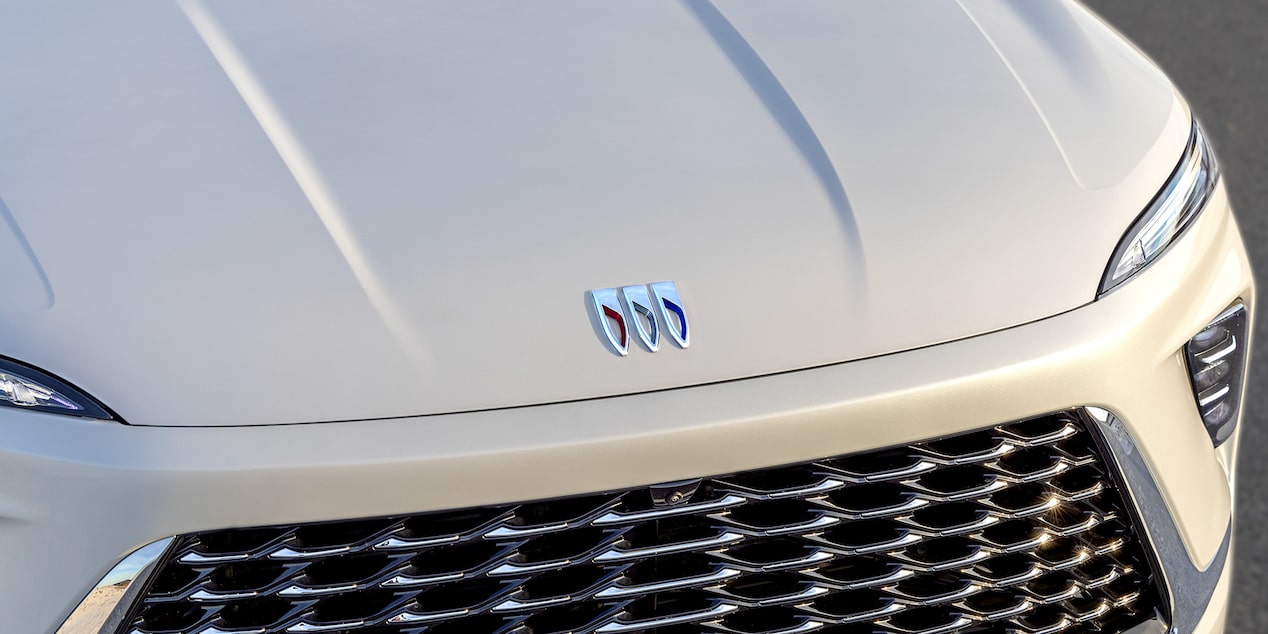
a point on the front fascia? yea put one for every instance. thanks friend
(76, 495)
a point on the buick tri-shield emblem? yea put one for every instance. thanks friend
(629, 310)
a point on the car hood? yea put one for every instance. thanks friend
(257, 213)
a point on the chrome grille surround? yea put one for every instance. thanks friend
(1016, 528)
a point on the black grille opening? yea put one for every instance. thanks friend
(672, 530)
(352, 606)
(668, 568)
(560, 545)
(560, 510)
(966, 445)
(347, 569)
(862, 533)
(239, 540)
(865, 498)
(933, 587)
(1026, 463)
(950, 516)
(1042, 426)
(926, 619)
(245, 576)
(574, 617)
(460, 596)
(173, 579)
(1018, 527)
(451, 523)
(852, 604)
(773, 514)
(561, 583)
(484, 624)
(953, 480)
(338, 533)
(936, 552)
(762, 587)
(255, 612)
(771, 551)
(877, 462)
(172, 617)
(455, 559)
(776, 480)
(760, 620)
(994, 602)
(1013, 534)
(857, 571)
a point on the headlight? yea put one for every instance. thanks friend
(1170, 213)
(27, 388)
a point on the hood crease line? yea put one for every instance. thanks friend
(310, 180)
(784, 110)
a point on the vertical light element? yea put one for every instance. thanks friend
(309, 179)
(1217, 359)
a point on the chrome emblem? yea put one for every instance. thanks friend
(641, 304)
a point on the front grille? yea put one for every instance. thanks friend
(1017, 528)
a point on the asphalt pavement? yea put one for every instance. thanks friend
(1217, 52)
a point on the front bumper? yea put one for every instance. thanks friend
(77, 495)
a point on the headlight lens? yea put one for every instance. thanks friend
(27, 388)
(1170, 213)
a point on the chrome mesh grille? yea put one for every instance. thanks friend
(1017, 528)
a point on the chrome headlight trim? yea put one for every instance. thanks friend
(106, 607)
(1168, 215)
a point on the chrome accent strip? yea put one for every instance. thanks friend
(629, 626)
(392, 543)
(620, 554)
(1215, 354)
(616, 591)
(107, 605)
(205, 595)
(1214, 394)
(1188, 590)
(288, 554)
(411, 617)
(669, 511)
(199, 558)
(305, 627)
(896, 474)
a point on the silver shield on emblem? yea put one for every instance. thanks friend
(640, 305)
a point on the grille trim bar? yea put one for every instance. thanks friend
(1187, 589)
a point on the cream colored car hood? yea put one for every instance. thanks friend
(258, 213)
